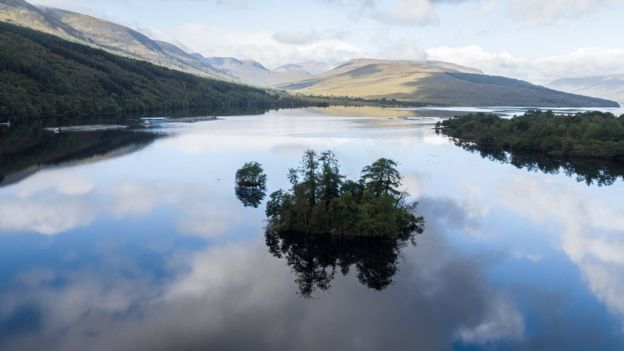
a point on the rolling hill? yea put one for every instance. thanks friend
(437, 83)
(105, 35)
(42, 75)
(608, 87)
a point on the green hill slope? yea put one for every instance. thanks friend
(104, 35)
(435, 83)
(42, 75)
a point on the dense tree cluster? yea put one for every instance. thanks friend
(584, 135)
(45, 76)
(321, 201)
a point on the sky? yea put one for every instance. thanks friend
(535, 40)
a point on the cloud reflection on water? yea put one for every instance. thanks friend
(237, 296)
(591, 234)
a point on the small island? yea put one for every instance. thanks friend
(589, 135)
(251, 184)
(322, 201)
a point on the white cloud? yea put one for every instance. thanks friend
(407, 12)
(556, 11)
(582, 62)
(133, 198)
(592, 235)
(502, 321)
(269, 48)
(60, 181)
(56, 201)
(45, 217)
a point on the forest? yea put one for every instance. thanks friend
(43, 76)
(588, 135)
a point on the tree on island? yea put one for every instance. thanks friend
(321, 201)
(251, 174)
(251, 184)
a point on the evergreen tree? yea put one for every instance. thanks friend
(330, 178)
(382, 177)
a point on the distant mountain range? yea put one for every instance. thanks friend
(610, 87)
(435, 83)
(428, 82)
(253, 72)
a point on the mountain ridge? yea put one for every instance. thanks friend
(103, 34)
(434, 82)
(610, 86)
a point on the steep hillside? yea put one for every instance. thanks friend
(434, 82)
(606, 87)
(45, 76)
(104, 35)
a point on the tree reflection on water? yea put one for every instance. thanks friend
(250, 196)
(315, 259)
(585, 170)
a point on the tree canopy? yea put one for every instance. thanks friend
(588, 146)
(595, 135)
(321, 201)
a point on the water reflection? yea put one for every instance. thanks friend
(24, 149)
(315, 259)
(236, 296)
(250, 196)
(151, 251)
(588, 171)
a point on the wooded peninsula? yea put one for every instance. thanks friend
(589, 135)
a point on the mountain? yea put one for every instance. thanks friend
(104, 35)
(437, 83)
(310, 67)
(247, 71)
(608, 87)
(254, 73)
(42, 75)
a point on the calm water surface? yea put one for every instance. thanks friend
(149, 249)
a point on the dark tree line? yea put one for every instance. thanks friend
(583, 135)
(588, 146)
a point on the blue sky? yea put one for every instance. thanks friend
(529, 39)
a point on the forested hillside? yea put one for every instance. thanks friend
(44, 76)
